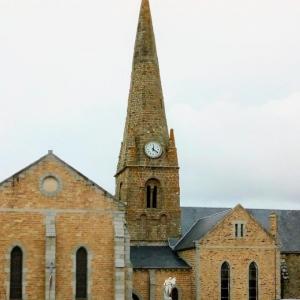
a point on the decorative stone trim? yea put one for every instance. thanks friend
(230, 278)
(50, 257)
(120, 263)
(56, 180)
(152, 283)
(7, 270)
(129, 271)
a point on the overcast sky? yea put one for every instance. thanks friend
(231, 78)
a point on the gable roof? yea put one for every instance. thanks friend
(50, 154)
(199, 229)
(155, 257)
(288, 225)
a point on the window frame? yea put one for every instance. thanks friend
(229, 279)
(89, 270)
(10, 272)
(152, 190)
(257, 280)
(239, 229)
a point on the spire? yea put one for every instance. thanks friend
(145, 47)
(146, 119)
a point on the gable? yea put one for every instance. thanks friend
(52, 183)
(223, 233)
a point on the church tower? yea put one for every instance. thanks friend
(147, 178)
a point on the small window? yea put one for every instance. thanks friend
(253, 281)
(16, 270)
(152, 193)
(239, 229)
(225, 281)
(81, 274)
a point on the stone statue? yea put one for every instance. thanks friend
(169, 285)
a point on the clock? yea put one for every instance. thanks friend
(153, 149)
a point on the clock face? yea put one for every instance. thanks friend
(153, 149)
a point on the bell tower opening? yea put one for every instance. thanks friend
(152, 190)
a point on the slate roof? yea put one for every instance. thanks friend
(199, 229)
(197, 221)
(155, 257)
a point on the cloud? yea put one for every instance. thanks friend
(232, 152)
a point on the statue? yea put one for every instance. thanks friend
(169, 285)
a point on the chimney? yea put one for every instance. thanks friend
(273, 224)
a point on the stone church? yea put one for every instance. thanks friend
(64, 237)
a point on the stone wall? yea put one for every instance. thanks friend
(51, 225)
(149, 284)
(154, 224)
(291, 287)
(257, 246)
(190, 257)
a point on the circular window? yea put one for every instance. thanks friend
(50, 185)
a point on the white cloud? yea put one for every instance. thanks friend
(234, 152)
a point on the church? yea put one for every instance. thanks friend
(63, 237)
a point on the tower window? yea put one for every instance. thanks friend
(253, 282)
(120, 191)
(81, 274)
(152, 190)
(16, 268)
(148, 196)
(239, 229)
(225, 281)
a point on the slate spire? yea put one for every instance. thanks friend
(146, 119)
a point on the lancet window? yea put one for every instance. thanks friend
(225, 281)
(16, 273)
(81, 273)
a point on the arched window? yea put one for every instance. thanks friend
(81, 273)
(225, 281)
(174, 294)
(253, 281)
(16, 268)
(152, 191)
(135, 297)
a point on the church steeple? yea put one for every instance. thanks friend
(147, 178)
(146, 118)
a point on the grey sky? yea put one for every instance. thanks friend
(231, 78)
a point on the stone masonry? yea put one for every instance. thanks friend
(49, 230)
(145, 122)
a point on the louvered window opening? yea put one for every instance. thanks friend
(225, 281)
(81, 274)
(16, 267)
(253, 282)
